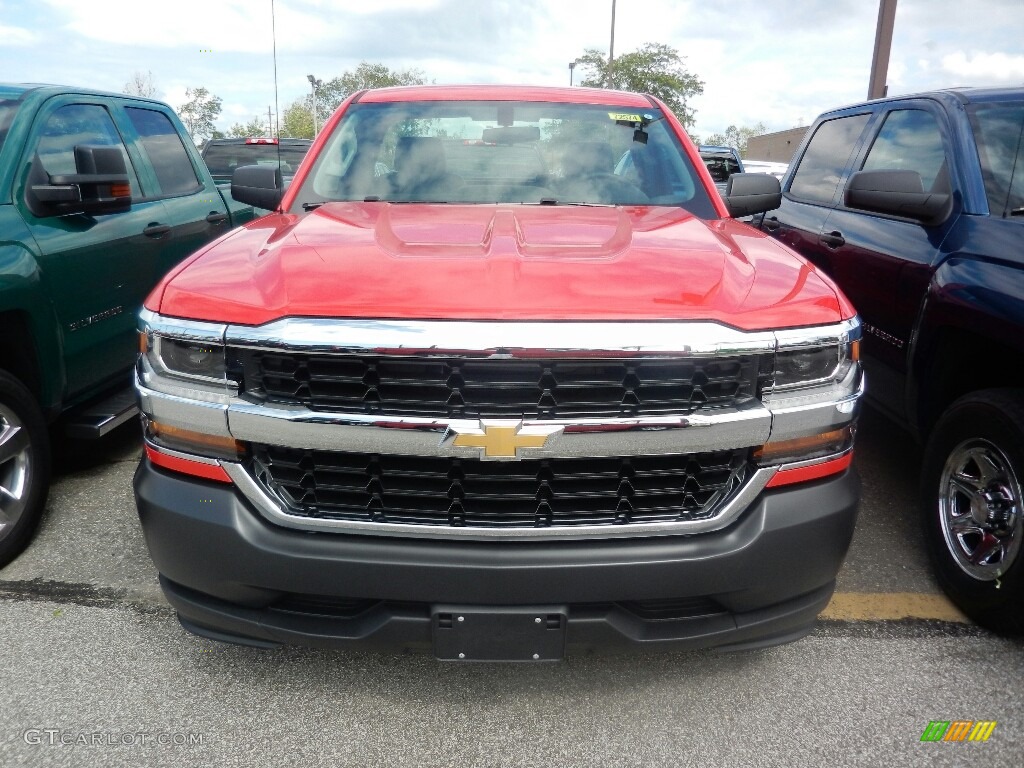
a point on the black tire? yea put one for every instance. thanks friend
(973, 510)
(24, 467)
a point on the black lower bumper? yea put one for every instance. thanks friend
(233, 576)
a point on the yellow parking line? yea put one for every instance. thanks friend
(884, 606)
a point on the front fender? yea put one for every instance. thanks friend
(978, 296)
(970, 334)
(26, 310)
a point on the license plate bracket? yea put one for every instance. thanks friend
(499, 633)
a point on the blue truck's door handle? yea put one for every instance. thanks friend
(156, 230)
(833, 240)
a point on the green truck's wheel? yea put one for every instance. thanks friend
(24, 467)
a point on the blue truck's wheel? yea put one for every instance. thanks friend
(974, 506)
(24, 466)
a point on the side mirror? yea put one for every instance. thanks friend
(258, 185)
(897, 193)
(750, 193)
(101, 185)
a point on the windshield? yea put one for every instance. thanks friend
(222, 159)
(504, 152)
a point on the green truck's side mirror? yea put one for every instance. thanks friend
(100, 186)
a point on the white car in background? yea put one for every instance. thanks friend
(778, 170)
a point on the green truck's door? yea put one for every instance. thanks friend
(97, 269)
(197, 212)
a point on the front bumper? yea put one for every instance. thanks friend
(233, 576)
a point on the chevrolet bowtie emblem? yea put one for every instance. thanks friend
(502, 438)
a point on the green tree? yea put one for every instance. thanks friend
(200, 112)
(254, 127)
(298, 116)
(366, 75)
(655, 68)
(297, 120)
(736, 137)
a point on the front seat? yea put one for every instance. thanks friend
(421, 171)
(588, 177)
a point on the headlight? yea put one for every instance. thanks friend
(185, 358)
(185, 386)
(802, 365)
(189, 359)
(816, 386)
(806, 362)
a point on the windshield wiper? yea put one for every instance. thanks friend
(417, 202)
(554, 201)
(372, 199)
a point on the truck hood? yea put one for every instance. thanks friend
(499, 262)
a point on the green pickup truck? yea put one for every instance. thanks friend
(100, 195)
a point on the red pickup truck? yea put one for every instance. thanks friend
(469, 390)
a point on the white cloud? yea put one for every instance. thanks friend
(761, 62)
(232, 113)
(16, 36)
(196, 26)
(175, 96)
(228, 26)
(387, 5)
(898, 74)
(981, 68)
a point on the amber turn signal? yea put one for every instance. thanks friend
(802, 448)
(195, 442)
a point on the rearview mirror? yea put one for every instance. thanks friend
(100, 186)
(519, 134)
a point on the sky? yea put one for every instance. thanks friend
(776, 62)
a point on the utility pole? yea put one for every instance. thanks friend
(277, 105)
(877, 87)
(611, 49)
(270, 122)
(313, 83)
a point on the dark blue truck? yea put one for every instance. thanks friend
(915, 206)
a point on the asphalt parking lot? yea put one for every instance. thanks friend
(98, 672)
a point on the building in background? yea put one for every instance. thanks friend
(775, 147)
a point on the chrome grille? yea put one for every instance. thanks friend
(451, 387)
(443, 491)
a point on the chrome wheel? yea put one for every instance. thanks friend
(15, 468)
(980, 509)
(24, 466)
